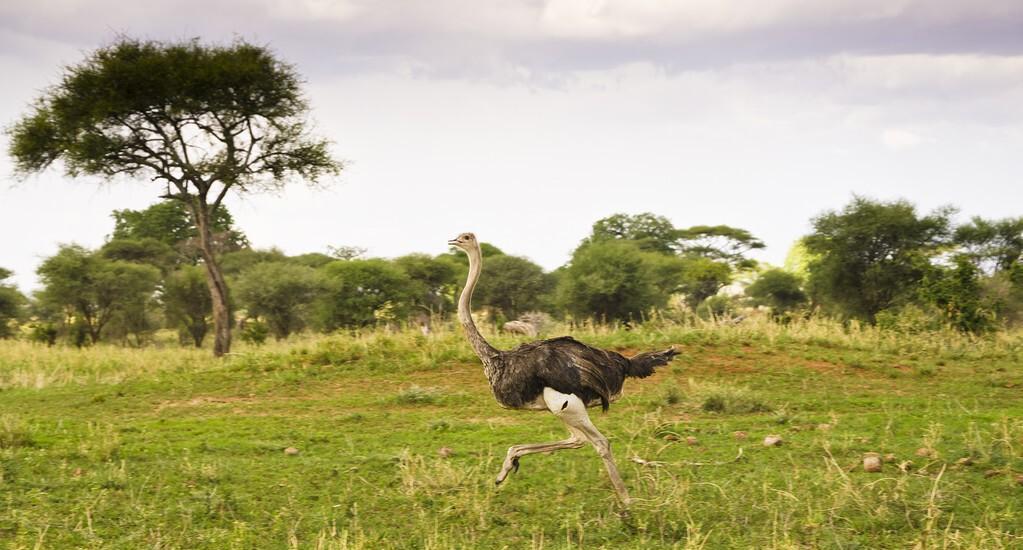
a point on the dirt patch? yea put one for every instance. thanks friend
(720, 363)
(203, 401)
(824, 367)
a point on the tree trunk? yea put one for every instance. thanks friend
(215, 281)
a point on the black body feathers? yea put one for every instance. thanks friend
(568, 366)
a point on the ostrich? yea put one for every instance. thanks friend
(560, 375)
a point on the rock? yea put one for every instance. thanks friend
(905, 466)
(739, 435)
(823, 427)
(964, 461)
(670, 436)
(925, 452)
(992, 473)
(445, 452)
(890, 457)
(692, 441)
(78, 472)
(1019, 479)
(772, 441)
(291, 451)
(872, 462)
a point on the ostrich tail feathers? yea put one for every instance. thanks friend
(643, 364)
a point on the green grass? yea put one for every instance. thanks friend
(168, 448)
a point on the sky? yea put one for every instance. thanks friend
(525, 121)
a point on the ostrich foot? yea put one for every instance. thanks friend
(510, 465)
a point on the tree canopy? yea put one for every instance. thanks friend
(170, 223)
(872, 255)
(11, 303)
(993, 245)
(200, 119)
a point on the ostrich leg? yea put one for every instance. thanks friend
(572, 411)
(511, 461)
(603, 447)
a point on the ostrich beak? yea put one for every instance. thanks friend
(453, 242)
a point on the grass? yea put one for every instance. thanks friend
(399, 439)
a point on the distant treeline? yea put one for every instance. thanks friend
(877, 262)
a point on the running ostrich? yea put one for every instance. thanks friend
(560, 375)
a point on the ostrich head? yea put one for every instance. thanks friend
(465, 241)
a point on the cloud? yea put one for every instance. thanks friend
(469, 39)
(898, 138)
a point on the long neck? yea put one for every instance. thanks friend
(483, 349)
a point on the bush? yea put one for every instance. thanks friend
(726, 399)
(911, 319)
(717, 307)
(779, 290)
(255, 332)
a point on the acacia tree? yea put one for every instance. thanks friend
(199, 119)
(11, 303)
(94, 291)
(872, 255)
(993, 245)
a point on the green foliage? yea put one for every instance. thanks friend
(720, 243)
(311, 259)
(237, 262)
(434, 280)
(43, 332)
(872, 255)
(1003, 291)
(699, 278)
(717, 307)
(279, 293)
(146, 251)
(187, 303)
(616, 280)
(124, 109)
(93, 291)
(779, 290)
(649, 231)
(199, 119)
(709, 254)
(355, 290)
(993, 245)
(511, 285)
(171, 223)
(12, 303)
(255, 332)
(911, 319)
(956, 291)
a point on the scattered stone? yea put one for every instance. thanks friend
(772, 441)
(445, 452)
(925, 452)
(671, 436)
(964, 461)
(872, 462)
(1019, 479)
(291, 451)
(78, 472)
(992, 473)
(890, 457)
(905, 466)
(692, 441)
(824, 427)
(740, 435)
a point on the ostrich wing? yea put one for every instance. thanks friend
(564, 364)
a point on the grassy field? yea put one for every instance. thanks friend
(398, 441)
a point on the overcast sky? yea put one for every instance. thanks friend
(526, 121)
